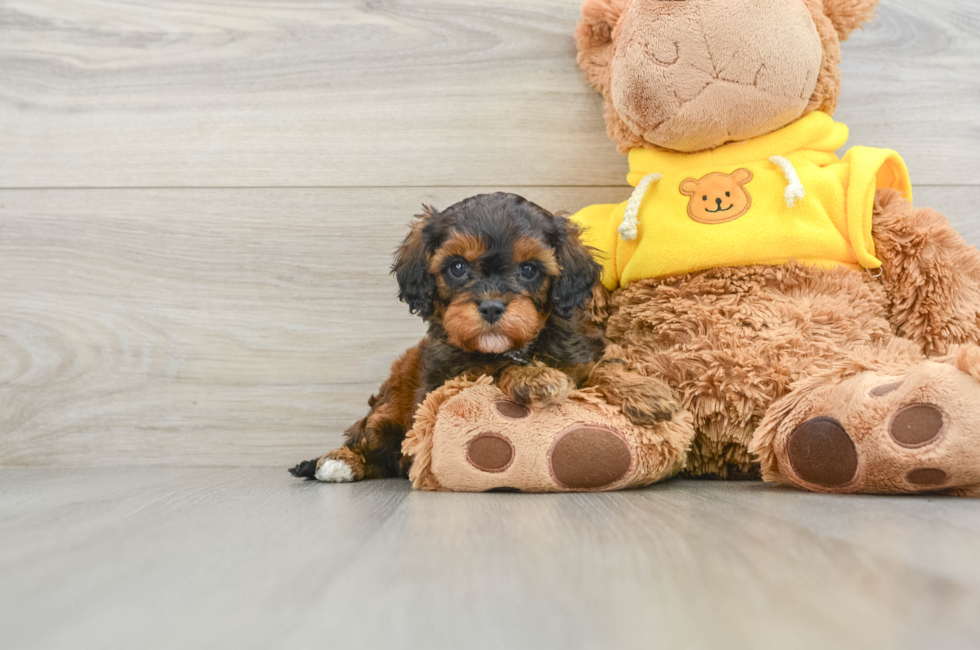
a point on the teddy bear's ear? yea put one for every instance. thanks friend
(594, 38)
(689, 187)
(848, 15)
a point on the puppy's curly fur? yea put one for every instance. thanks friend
(502, 284)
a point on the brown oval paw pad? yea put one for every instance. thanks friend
(926, 476)
(512, 410)
(917, 425)
(588, 458)
(822, 453)
(490, 452)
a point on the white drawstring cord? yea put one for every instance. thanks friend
(628, 229)
(794, 189)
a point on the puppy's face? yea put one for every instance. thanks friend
(492, 269)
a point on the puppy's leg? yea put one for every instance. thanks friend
(644, 400)
(373, 446)
(535, 385)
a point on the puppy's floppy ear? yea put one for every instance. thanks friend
(579, 270)
(594, 39)
(848, 15)
(416, 285)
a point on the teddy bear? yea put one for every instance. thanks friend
(819, 330)
(814, 328)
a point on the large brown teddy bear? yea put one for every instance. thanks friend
(808, 318)
(814, 328)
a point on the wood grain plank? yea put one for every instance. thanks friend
(961, 205)
(219, 327)
(172, 93)
(251, 558)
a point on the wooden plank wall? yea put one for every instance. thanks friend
(199, 198)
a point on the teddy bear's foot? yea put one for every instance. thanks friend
(473, 438)
(885, 434)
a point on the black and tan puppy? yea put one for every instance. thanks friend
(502, 284)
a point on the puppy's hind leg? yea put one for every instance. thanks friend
(372, 450)
(343, 465)
(339, 466)
(373, 446)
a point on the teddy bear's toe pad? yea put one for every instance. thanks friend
(490, 452)
(927, 477)
(822, 453)
(589, 458)
(917, 425)
(511, 410)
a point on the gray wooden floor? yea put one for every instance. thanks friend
(245, 558)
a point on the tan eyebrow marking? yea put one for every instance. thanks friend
(469, 247)
(527, 249)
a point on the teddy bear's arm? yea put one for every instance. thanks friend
(930, 274)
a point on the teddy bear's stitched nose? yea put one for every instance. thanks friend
(718, 201)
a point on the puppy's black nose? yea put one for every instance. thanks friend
(492, 310)
(718, 201)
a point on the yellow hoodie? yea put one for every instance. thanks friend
(779, 197)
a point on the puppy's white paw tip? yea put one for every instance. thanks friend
(334, 471)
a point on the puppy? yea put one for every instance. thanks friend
(502, 284)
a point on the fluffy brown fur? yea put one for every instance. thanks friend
(502, 284)
(930, 275)
(731, 341)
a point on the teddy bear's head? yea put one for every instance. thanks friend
(689, 75)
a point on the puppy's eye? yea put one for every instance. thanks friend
(528, 271)
(705, 198)
(728, 193)
(458, 269)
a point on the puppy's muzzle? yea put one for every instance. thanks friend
(492, 310)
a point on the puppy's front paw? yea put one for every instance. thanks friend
(538, 386)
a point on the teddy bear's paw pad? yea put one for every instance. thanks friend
(589, 458)
(511, 410)
(822, 453)
(929, 477)
(887, 388)
(917, 425)
(490, 452)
